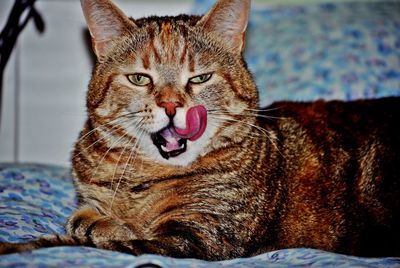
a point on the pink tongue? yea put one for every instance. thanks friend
(196, 123)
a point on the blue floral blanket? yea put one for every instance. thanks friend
(35, 200)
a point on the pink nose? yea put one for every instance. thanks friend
(170, 107)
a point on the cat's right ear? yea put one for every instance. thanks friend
(106, 23)
(228, 19)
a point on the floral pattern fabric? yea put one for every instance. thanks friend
(34, 201)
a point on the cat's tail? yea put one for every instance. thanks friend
(43, 242)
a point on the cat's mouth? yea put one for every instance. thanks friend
(172, 141)
(169, 144)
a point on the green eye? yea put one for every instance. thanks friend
(200, 79)
(139, 79)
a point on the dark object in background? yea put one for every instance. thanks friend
(21, 12)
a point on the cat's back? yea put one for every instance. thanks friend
(340, 167)
(359, 139)
(348, 123)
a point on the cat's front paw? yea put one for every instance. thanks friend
(89, 224)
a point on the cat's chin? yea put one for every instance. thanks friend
(169, 149)
(181, 154)
(184, 158)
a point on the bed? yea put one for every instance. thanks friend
(346, 50)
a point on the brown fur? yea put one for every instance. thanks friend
(320, 174)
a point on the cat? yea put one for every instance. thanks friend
(176, 158)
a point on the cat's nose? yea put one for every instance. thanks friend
(170, 107)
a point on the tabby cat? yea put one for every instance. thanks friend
(177, 159)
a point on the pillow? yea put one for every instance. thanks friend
(331, 51)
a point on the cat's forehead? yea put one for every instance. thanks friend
(169, 46)
(169, 33)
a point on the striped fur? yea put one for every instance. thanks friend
(321, 175)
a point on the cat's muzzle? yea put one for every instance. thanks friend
(172, 141)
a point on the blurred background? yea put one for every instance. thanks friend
(299, 50)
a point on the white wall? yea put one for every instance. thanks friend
(46, 79)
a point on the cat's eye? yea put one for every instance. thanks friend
(139, 79)
(200, 79)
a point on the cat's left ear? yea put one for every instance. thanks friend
(228, 19)
(106, 23)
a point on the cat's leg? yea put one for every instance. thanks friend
(172, 238)
(107, 233)
(88, 224)
(181, 240)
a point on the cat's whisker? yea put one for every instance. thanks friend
(115, 120)
(105, 154)
(246, 109)
(135, 146)
(213, 110)
(218, 125)
(121, 154)
(105, 137)
(132, 114)
(250, 135)
(109, 134)
(109, 149)
(115, 170)
(248, 114)
(263, 110)
(262, 130)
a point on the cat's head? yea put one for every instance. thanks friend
(175, 87)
